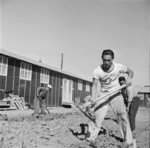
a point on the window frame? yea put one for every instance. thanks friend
(3, 65)
(44, 76)
(80, 84)
(87, 87)
(25, 71)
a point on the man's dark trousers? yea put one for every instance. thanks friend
(133, 111)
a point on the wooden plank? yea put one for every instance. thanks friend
(10, 108)
(15, 101)
(24, 103)
(9, 99)
(4, 105)
(12, 104)
(2, 102)
(20, 102)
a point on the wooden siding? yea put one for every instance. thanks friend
(50, 93)
(75, 86)
(54, 89)
(2, 86)
(27, 89)
(33, 85)
(38, 77)
(22, 87)
(60, 89)
(16, 77)
(82, 93)
(144, 101)
(10, 75)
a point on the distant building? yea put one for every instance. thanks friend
(142, 94)
(24, 75)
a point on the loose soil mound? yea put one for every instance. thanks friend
(65, 130)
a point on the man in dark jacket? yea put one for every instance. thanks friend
(39, 101)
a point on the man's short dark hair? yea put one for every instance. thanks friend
(122, 78)
(108, 52)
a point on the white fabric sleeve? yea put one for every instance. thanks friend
(122, 68)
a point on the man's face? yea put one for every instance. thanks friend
(122, 82)
(107, 61)
(47, 89)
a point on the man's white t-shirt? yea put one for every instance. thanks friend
(109, 80)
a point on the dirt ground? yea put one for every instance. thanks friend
(65, 128)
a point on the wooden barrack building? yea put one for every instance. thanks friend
(24, 75)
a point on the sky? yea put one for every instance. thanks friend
(81, 30)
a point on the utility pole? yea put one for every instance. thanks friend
(149, 96)
(62, 56)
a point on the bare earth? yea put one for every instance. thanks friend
(66, 128)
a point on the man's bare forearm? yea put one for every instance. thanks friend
(94, 92)
(94, 89)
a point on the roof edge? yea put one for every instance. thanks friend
(20, 57)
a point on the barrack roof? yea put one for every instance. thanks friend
(17, 56)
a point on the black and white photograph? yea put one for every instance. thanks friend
(74, 73)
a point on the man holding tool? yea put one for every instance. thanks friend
(132, 101)
(107, 74)
(39, 101)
